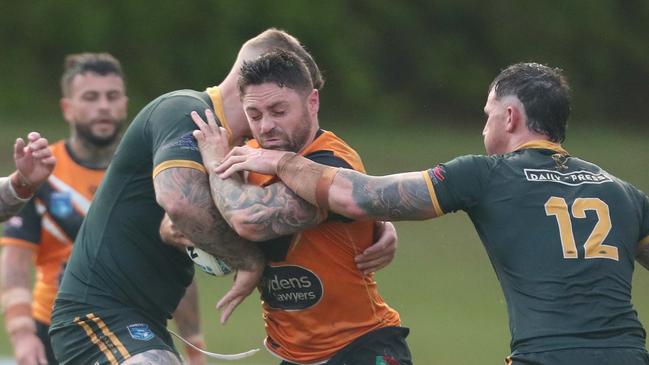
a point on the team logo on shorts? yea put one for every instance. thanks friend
(140, 331)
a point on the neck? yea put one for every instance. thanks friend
(91, 155)
(527, 137)
(233, 110)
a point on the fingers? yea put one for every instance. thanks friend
(19, 148)
(382, 252)
(33, 136)
(229, 303)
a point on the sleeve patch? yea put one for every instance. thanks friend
(437, 174)
(184, 142)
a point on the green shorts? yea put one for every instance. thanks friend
(583, 356)
(86, 335)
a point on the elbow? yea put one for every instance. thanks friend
(175, 208)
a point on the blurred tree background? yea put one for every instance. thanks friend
(394, 62)
(406, 84)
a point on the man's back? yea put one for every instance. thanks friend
(118, 256)
(562, 236)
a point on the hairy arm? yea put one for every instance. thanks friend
(184, 194)
(356, 195)
(261, 214)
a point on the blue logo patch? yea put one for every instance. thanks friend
(61, 204)
(140, 331)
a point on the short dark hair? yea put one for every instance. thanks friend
(80, 63)
(543, 91)
(273, 38)
(281, 67)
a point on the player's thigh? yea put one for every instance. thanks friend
(153, 357)
(602, 356)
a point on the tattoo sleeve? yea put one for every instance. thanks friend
(264, 213)
(359, 196)
(10, 204)
(185, 196)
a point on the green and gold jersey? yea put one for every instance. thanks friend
(562, 235)
(118, 256)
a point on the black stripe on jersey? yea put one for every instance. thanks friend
(27, 226)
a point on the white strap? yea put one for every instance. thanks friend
(228, 357)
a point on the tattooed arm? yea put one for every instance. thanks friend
(184, 194)
(346, 192)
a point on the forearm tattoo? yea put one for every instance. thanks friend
(269, 212)
(393, 197)
(10, 205)
(201, 222)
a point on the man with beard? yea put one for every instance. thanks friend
(318, 307)
(94, 104)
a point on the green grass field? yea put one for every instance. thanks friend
(441, 281)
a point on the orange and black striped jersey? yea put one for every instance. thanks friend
(315, 299)
(50, 222)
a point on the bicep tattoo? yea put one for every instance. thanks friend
(269, 212)
(199, 219)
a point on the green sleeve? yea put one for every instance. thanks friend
(459, 183)
(170, 127)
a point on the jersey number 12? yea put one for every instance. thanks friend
(594, 248)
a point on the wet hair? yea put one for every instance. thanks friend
(80, 63)
(281, 67)
(273, 38)
(543, 91)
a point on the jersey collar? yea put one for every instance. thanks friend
(217, 101)
(542, 144)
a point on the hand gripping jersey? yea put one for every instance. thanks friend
(315, 300)
(562, 235)
(119, 258)
(50, 222)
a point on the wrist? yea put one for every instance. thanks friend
(21, 186)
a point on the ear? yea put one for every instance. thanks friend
(66, 109)
(314, 102)
(515, 119)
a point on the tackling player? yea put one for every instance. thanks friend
(562, 234)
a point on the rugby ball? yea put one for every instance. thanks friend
(207, 262)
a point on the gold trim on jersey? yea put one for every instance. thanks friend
(217, 101)
(433, 196)
(178, 163)
(542, 144)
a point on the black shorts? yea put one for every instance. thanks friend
(583, 356)
(384, 346)
(85, 335)
(41, 332)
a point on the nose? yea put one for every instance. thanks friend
(104, 103)
(267, 124)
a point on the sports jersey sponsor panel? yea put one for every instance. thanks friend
(574, 178)
(290, 287)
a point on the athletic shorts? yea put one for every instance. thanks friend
(384, 346)
(81, 335)
(41, 332)
(584, 356)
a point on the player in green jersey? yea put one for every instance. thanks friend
(562, 234)
(122, 283)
